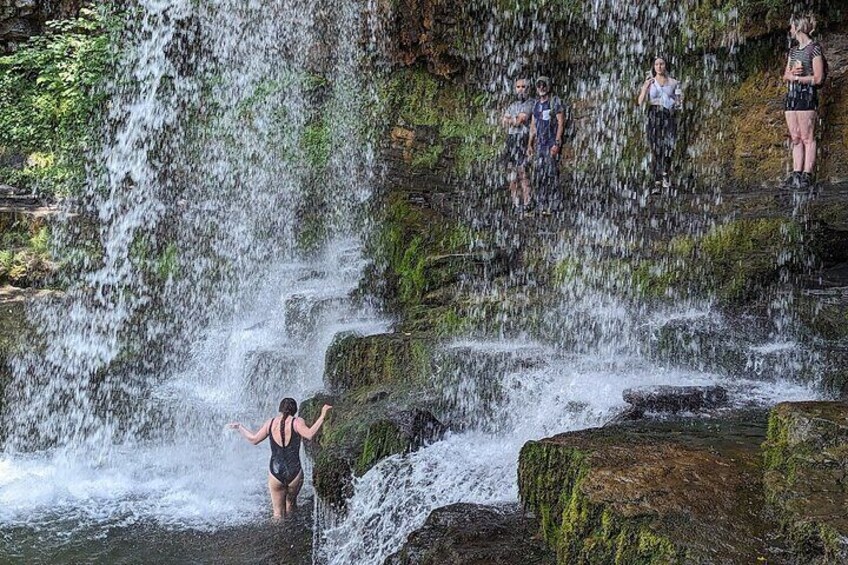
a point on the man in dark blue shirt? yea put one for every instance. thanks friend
(547, 125)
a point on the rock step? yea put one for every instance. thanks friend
(473, 534)
(806, 458)
(674, 399)
(654, 492)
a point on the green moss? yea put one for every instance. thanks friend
(454, 114)
(429, 158)
(317, 143)
(167, 264)
(550, 479)
(383, 439)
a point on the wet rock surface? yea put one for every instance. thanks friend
(674, 399)
(660, 492)
(474, 534)
(806, 459)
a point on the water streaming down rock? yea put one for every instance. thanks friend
(597, 333)
(226, 197)
(232, 157)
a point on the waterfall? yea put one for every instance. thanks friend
(226, 209)
(596, 331)
(217, 250)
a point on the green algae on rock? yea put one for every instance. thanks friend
(596, 494)
(805, 456)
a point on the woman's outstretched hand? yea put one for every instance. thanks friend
(326, 408)
(233, 425)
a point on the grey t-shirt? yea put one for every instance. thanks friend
(516, 108)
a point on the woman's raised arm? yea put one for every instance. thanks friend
(308, 432)
(252, 437)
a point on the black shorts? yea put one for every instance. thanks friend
(801, 98)
(515, 153)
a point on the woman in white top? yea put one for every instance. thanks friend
(663, 95)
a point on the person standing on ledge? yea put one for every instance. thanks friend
(804, 74)
(516, 120)
(664, 97)
(547, 125)
(285, 476)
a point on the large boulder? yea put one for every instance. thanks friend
(471, 534)
(659, 492)
(806, 459)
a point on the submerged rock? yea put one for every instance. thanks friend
(806, 459)
(653, 492)
(675, 399)
(474, 534)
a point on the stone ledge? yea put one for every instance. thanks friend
(670, 492)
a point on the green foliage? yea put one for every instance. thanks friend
(49, 99)
(40, 241)
(167, 265)
(456, 116)
(316, 143)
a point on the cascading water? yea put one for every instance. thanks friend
(594, 337)
(224, 266)
(228, 207)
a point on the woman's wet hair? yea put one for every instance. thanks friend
(805, 23)
(288, 407)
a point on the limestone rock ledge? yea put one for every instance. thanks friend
(658, 492)
(806, 460)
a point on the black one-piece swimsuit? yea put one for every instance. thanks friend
(285, 459)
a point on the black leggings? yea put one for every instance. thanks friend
(662, 135)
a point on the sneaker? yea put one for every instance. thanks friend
(666, 182)
(805, 180)
(793, 181)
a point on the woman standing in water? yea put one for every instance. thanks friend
(664, 96)
(285, 476)
(804, 73)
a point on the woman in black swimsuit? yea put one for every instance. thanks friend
(285, 476)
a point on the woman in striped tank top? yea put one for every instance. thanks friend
(804, 73)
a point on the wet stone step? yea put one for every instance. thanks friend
(674, 399)
(271, 367)
(473, 534)
(675, 491)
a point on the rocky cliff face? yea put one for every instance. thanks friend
(21, 19)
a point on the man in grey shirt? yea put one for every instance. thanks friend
(516, 120)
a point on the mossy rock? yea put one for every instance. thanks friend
(702, 343)
(358, 436)
(805, 456)
(354, 361)
(662, 492)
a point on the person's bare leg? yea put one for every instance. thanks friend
(292, 492)
(796, 141)
(525, 185)
(807, 126)
(278, 495)
(513, 187)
